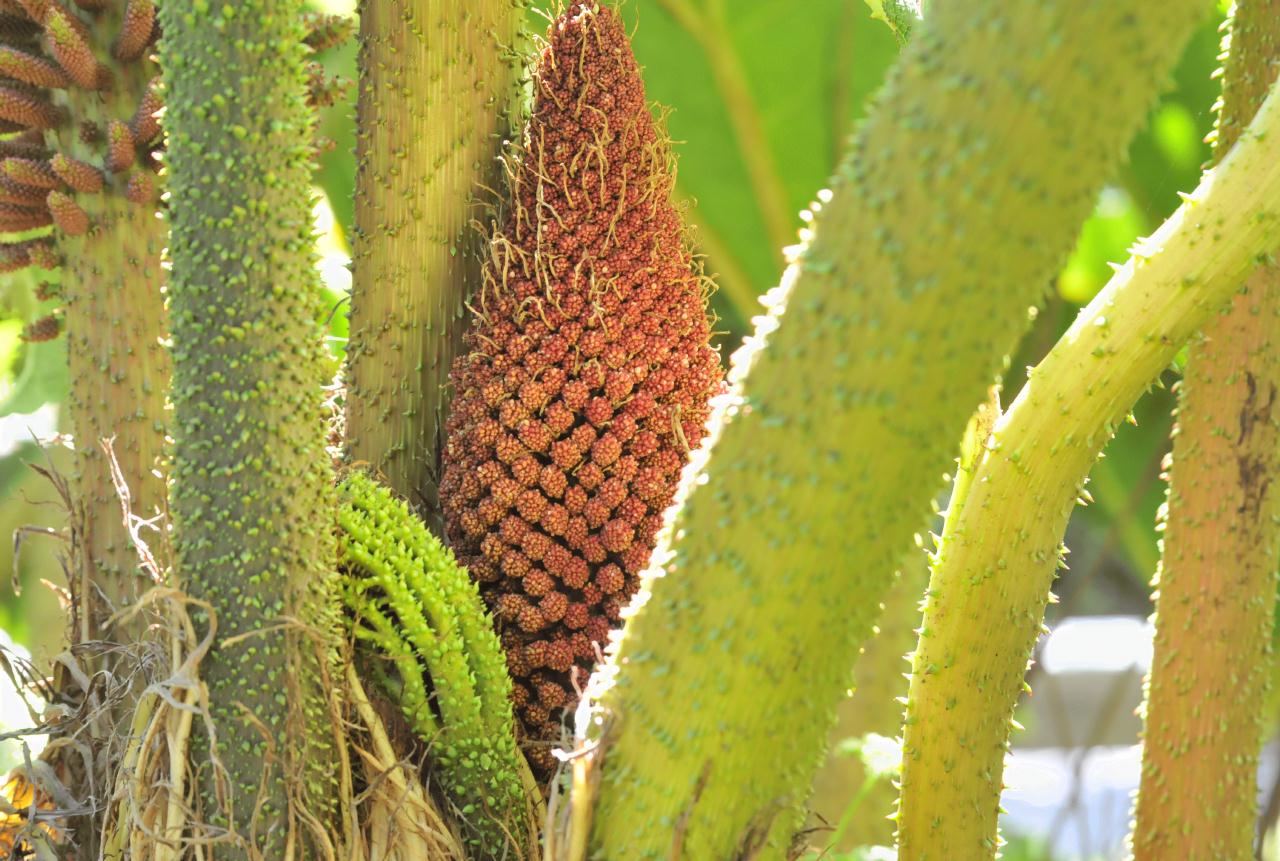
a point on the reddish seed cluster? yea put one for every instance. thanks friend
(587, 373)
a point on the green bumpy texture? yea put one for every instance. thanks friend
(961, 195)
(251, 492)
(420, 618)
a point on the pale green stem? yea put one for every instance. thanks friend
(992, 575)
(438, 82)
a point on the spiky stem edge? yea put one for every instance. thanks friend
(991, 580)
(251, 491)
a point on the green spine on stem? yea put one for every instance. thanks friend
(890, 323)
(85, 166)
(437, 95)
(1216, 585)
(993, 570)
(251, 491)
(419, 616)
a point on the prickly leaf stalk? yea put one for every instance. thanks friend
(587, 373)
(251, 492)
(890, 324)
(1216, 584)
(79, 90)
(993, 571)
(437, 97)
(418, 616)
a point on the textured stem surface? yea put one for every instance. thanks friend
(1000, 120)
(251, 491)
(437, 80)
(82, 166)
(119, 378)
(992, 574)
(1215, 605)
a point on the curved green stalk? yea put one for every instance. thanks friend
(992, 574)
(410, 602)
(890, 324)
(251, 491)
(1215, 606)
(437, 81)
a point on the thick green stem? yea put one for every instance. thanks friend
(119, 378)
(996, 123)
(437, 81)
(992, 574)
(251, 491)
(1215, 608)
(115, 324)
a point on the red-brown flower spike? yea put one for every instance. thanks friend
(45, 328)
(140, 188)
(31, 69)
(136, 29)
(587, 372)
(28, 111)
(15, 217)
(122, 149)
(67, 214)
(78, 175)
(37, 174)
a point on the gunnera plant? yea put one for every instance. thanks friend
(586, 375)
(79, 91)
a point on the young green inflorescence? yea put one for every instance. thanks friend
(420, 617)
(588, 372)
(251, 494)
(78, 91)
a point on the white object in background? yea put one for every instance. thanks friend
(17, 429)
(14, 714)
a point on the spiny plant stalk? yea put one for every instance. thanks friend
(251, 493)
(438, 86)
(833, 446)
(991, 578)
(420, 618)
(878, 707)
(80, 81)
(1216, 585)
(588, 373)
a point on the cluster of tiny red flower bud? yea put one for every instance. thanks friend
(587, 373)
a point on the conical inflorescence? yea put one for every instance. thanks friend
(587, 373)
